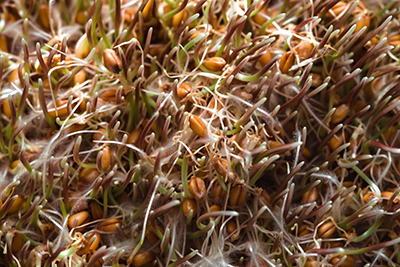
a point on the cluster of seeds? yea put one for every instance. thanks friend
(200, 133)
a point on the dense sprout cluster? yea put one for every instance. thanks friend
(199, 133)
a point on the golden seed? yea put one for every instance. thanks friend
(293, 3)
(303, 231)
(221, 166)
(78, 219)
(347, 184)
(10, 17)
(350, 261)
(76, 127)
(15, 163)
(302, 228)
(3, 44)
(274, 143)
(95, 243)
(46, 84)
(16, 205)
(84, 246)
(311, 264)
(375, 170)
(197, 188)
(188, 205)
(387, 195)
(81, 17)
(286, 62)
(143, 258)
(184, 89)
(316, 79)
(98, 263)
(336, 10)
(213, 208)
(340, 113)
(73, 128)
(17, 243)
(310, 196)
(238, 195)
(88, 175)
(179, 18)
(43, 17)
(82, 48)
(372, 89)
(151, 234)
(96, 210)
(80, 77)
(54, 62)
(216, 103)
(388, 133)
(326, 230)
(109, 95)
(129, 14)
(218, 193)
(214, 63)
(153, 126)
(304, 49)
(393, 40)
(109, 225)
(147, 13)
(14, 78)
(62, 109)
(231, 226)
(335, 142)
(106, 159)
(77, 201)
(100, 134)
(221, 29)
(197, 125)
(112, 61)
(375, 40)
(267, 57)
(368, 197)
(364, 21)
(7, 108)
(56, 39)
(195, 34)
(261, 17)
(307, 153)
(134, 136)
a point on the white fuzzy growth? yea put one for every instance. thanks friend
(327, 177)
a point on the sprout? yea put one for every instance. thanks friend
(177, 130)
